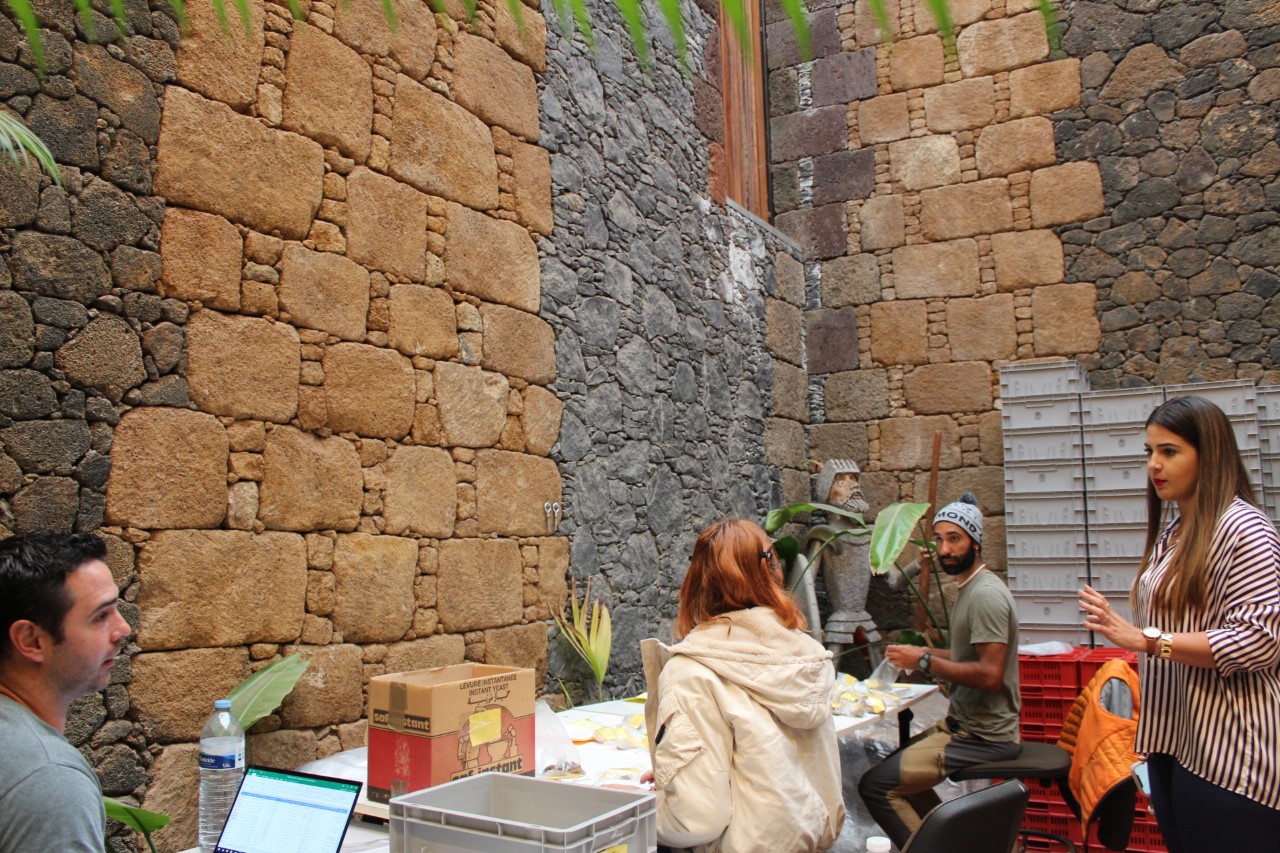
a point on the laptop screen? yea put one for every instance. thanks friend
(281, 812)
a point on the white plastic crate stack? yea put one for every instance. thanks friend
(1075, 484)
(1115, 479)
(1045, 497)
(1269, 442)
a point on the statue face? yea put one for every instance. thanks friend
(843, 486)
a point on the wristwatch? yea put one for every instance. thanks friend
(924, 662)
(1159, 643)
(1152, 634)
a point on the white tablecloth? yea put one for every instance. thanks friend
(598, 760)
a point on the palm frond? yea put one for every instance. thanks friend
(675, 23)
(31, 29)
(1050, 24)
(941, 12)
(20, 143)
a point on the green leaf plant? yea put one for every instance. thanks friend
(139, 820)
(251, 700)
(889, 535)
(590, 636)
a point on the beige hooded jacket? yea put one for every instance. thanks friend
(743, 744)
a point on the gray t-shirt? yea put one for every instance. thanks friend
(985, 613)
(49, 796)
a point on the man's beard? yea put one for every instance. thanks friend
(959, 565)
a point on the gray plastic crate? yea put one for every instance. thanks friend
(1051, 377)
(1041, 445)
(1071, 633)
(1048, 608)
(1048, 577)
(1113, 577)
(1117, 541)
(1047, 509)
(1045, 543)
(1057, 410)
(1267, 398)
(1119, 406)
(1039, 477)
(503, 813)
(1115, 475)
(1123, 507)
(1115, 441)
(1233, 396)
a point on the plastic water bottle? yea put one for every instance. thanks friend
(221, 769)
(877, 844)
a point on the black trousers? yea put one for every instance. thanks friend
(1197, 816)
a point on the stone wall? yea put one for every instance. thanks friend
(298, 340)
(1112, 202)
(659, 299)
(278, 341)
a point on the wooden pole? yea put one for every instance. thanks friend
(926, 571)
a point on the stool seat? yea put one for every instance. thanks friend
(1036, 761)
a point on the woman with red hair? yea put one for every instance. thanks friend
(743, 744)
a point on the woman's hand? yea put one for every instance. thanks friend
(1101, 619)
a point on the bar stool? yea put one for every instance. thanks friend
(1046, 762)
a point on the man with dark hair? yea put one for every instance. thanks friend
(60, 634)
(981, 667)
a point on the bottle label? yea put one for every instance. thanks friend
(222, 762)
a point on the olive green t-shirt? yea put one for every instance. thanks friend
(985, 613)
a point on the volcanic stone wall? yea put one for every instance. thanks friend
(658, 297)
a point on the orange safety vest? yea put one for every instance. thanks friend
(1100, 742)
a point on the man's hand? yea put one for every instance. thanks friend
(905, 657)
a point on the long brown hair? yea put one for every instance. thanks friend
(1220, 478)
(730, 571)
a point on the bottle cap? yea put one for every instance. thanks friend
(877, 844)
(222, 704)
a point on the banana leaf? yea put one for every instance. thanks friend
(136, 819)
(892, 532)
(261, 693)
(778, 517)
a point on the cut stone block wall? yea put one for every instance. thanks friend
(303, 288)
(1113, 201)
(291, 289)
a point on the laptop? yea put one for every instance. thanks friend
(278, 811)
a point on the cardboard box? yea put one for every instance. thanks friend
(436, 725)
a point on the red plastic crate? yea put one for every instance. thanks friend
(1091, 660)
(1048, 670)
(1061, 693)
(1036, 710)
(1041, 732)
(1146, 837)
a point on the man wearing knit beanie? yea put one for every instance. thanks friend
(981, 667)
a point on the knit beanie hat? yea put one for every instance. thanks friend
(964, 513)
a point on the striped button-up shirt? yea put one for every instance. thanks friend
(1222, 724)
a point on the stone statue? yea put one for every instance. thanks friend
(845, 565)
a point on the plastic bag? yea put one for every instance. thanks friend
(556, 756)
(884, 676)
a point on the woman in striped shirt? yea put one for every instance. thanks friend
(1208, 596)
